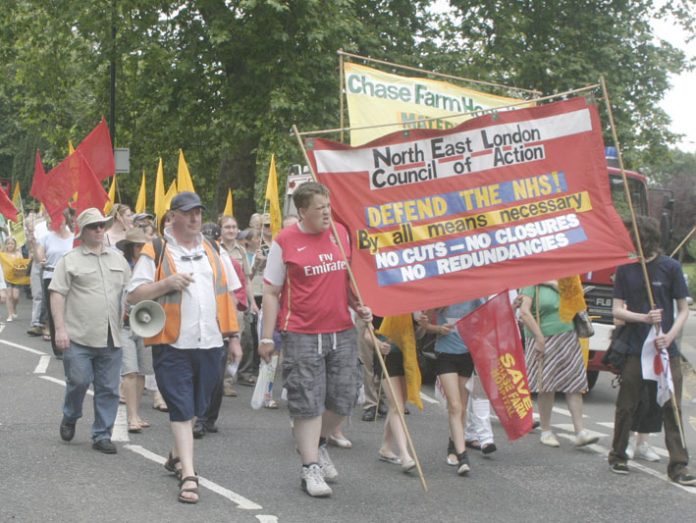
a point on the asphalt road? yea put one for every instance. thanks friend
(252, 471)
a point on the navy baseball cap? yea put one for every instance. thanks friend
(185, 201)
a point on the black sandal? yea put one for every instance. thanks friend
(170, 465)
(193, 490)
(473, 444)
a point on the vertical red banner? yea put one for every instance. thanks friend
(493, 339)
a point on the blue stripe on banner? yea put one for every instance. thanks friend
(456, 262)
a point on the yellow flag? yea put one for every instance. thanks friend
(160, 207)
(171, 193)
(183, 177)
(112, 196)
(141, 202)
(273, 199)
(572, 298)
(17, 227)
(400, 330)
(229, 205)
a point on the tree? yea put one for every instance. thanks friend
(677, 175)
(226, 79)
(556, 45)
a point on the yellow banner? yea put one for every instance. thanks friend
(375, 97)
(16, 270)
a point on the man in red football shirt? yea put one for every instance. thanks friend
(306, 297)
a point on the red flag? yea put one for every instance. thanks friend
(61, 183)
(90, 192)
(97, 150)
(39, 180)
(491, 334)
(7, 208)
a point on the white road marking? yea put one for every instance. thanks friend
(43, 364)
(604, 451)
(568, 427)
(120, 431)
(564, 412)
(263, 518)
(61, 382)
(22, 347)
(428, 399)
(53, 380)
(607, 424)
(240, 501)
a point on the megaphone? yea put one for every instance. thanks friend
(147, 318)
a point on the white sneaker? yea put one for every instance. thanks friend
(548, 439)
(646, 452)
(327, 467)
(313, 482)
(583, 438)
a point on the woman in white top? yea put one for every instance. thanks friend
(50, 249)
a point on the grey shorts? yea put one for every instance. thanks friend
(136, 356)
(320, 372)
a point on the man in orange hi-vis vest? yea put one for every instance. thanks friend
(187, 276)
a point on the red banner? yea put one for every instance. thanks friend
(501, 201)
(491, 334)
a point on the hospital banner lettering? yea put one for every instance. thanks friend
(491, 334)
(375, 97)
(501, 201)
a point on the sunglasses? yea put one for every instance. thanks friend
(95, 226)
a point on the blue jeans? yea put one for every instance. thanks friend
(84, 366)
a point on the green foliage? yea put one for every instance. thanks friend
(556, 45)
(226, 79)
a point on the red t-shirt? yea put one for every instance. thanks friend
(313, 274)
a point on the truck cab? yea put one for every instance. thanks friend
(599, 284)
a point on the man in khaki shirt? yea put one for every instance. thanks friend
(86, 300)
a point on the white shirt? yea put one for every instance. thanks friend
(199, 327)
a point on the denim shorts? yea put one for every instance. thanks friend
(186, 378)
(320, 372)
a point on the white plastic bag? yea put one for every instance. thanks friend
(264, 383)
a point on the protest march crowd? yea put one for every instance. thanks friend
(237, 300)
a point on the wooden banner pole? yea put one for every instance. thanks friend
(375, 341)
(681, 244)
(341, 84)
